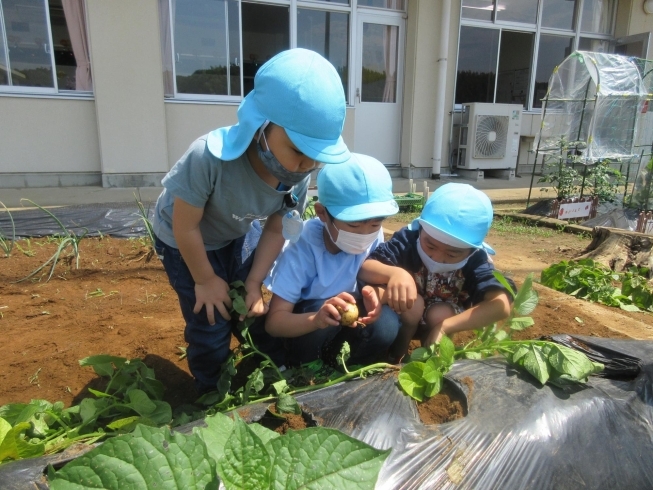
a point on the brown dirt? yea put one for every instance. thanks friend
(282, 423)
(120, 304)
(446, 406)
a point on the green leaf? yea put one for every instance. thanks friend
(521, 352)
(433, 370)
(126, 424)
(501, 278)
(246, 463)
(500, 335)
(216, 433)
(280, 386)
(472, 355)
(535, 363)
(527, 298)
(15, 446)
(420, 354)
(411, 380)
(520, 323)
(447, 350)
(628, 307)
(239, 306)
(434, 387)
(103, 359)
(323, 458)
(287, 404)
(140, 402)
(149, 458)
(570, 361)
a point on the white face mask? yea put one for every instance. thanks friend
(352, 243)
(438, 267)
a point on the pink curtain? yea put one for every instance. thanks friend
(165, 16)
(76, 21)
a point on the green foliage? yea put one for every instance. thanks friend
(603, 181)
(309, 212)
(504, 225)
(591, 281)
(66, 239)
(6, 243)
(132, 396)
(143, 216)
(546, 361)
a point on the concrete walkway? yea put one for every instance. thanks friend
(500, 191)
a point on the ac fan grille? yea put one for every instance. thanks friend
(491, 136)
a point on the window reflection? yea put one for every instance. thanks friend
(70, 42)
(560, 14)
(515, 59)
(266, 32)
(328, 34)
(379, 67)
(517, 11)
(478, 9)
(477, 62)
(383, 4)
(597, 16)
(596, 45)
(552, 51)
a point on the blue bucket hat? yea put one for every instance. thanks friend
(356, 190)
(300, 91)
(458, 215)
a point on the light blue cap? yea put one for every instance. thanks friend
(359, 189)
(459, 214)
(300, 91)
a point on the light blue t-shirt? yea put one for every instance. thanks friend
(231, 193)
(307, 270)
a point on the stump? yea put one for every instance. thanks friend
(620, 249)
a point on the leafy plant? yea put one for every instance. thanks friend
(546, 361)
(309, 212)
(559, 170)
(6, 243)
(227, 451)
(143, 216)
(132, 396)
(591, 281)
(603, 181)
(66, 239)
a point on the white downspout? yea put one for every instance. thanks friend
(441, 88)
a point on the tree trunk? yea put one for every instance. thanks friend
(620, 249)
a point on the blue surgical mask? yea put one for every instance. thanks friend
(438, 267)
(273, 165)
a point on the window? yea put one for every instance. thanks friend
(44, 46)
(212, 49)
(506, 53)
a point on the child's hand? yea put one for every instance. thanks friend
(401, 291)
(211, 295)
(372, 305)
(328, 315)
(434, 336)
(254, 301)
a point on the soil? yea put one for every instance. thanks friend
(282, 423)
(446, 406)
(120, 303)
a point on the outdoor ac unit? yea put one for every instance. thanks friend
(489, 136)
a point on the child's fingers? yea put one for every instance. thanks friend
(223, 311)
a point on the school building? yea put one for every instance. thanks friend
(112, 92)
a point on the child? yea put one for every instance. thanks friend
(317, 275)
(206, 217)
(437, 272)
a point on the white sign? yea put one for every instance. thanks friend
(648, 227)
(574, 210)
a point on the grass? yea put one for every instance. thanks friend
(506, 225)
(6, 242)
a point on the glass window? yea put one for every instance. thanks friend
(478, 9)
(515, 60)
(204, 57)
(41, 40)
(266, 32)
(524, 11)
(596, 45)
(552, 51)
(28, 40)
(379, 67)
(328, 34)
(597, 16)
(559, 14)
(477, 63)
(383, 4)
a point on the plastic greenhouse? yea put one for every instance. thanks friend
(596, 110)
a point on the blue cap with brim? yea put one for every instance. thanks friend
(300, 91)
(357, 190)
(457, 215)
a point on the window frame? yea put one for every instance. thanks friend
(538, 30)
(49, 92)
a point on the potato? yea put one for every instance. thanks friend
(347, 318)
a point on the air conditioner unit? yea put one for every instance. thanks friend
(488, 136)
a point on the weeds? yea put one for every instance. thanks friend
(504, 225)
(143, 215)
(66, 239)
(28, 252)
(6, 243)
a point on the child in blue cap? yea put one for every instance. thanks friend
(436, 271)
(206, 218)
(317, 275)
